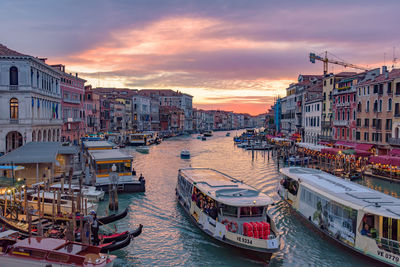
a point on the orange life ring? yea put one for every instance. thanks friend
(233, 230)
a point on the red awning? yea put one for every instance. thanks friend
(385, 160)
(362, 153)
(364, 146)
(331, 150)
(346, 144)
(395, 152)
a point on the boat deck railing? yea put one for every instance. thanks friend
(389, 245)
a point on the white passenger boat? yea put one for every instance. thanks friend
(228, 210)
(102, 162)
(143, 149)
(208, 133)
(362, 219)
(90, 192)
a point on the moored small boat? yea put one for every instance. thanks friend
(228, 134)
(39, 251)
(208, 133)
(228, 210)
(143, 149)
(203, 138)
(185, 154)
(352, 215)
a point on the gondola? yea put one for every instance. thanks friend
(136, 232)
(113, 217)
(109, 247)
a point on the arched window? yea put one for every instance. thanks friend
(33, 136)
(390, 104)
(348, 114)
(14, 108)
(343, 115)
(380, 105)
(13, 76)
(376, 106)
(367, 108)
(359, 106)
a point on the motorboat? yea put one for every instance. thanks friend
(143, 149)
(199, 136)
(228, 134)
(203, 138)
(228, 210)
(40, 251)
(208, 133)
(90, 192)
(124, 176)
(351, 214)
(185, 154)
(297, 160)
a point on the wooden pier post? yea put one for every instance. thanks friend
(25, 201)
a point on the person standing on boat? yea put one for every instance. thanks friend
(95, 227)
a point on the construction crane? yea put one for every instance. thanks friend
(326, 60)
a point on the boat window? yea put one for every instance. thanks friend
(291, 185)
(58, 257)
(38, 254)
(251, 211)
(205, 203)
(122, 167)
(229, 210)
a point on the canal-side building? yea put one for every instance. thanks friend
(92, 110)
(141, 113)
(312, 113)
(73, 112)
(288, 111)
(30, 100)
(329, 83)
(344, 106)
(394, 83)
(375, 108)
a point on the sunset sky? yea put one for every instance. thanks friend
(231, 55)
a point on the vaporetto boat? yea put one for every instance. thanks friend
(228, 210)
(362, 219)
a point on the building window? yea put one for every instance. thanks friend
(354, 115)
(348, 134)
(342, 133)
(357, 135)
(389, 87)
(376, 106)
(366, 136)
(359, 106)
(380, 105)
(367, 107)
(366, 122)
(13, 75)
(13, 108)
(390, 104)
(331, 81)
(348, 114)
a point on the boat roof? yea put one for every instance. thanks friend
(345, 192)
(225, 189)
(109, 154)
(97, 144)
(51, 244)
(7, 233)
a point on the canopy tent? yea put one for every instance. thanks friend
(395, 152)
(385, 160)
(357, 152)
(331, 150)
(15, 168)
(346, 144)
(311, 146)
(364, 147)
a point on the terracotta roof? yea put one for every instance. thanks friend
(5, 51)
(346, 74)
(395, 73)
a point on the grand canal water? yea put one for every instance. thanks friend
(170, 239)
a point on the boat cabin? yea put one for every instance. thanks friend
(97, 145)
(102, 162)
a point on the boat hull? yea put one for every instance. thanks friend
(139, 186)
(9, 261)
(263, 256)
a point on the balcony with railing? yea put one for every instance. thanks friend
(345, 104)
(394, 141)
(326, 124)
(340, 123)
(71, 101)
(13, 87)
(14, 121)
(72, 120)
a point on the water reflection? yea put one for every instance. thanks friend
(169, 237)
